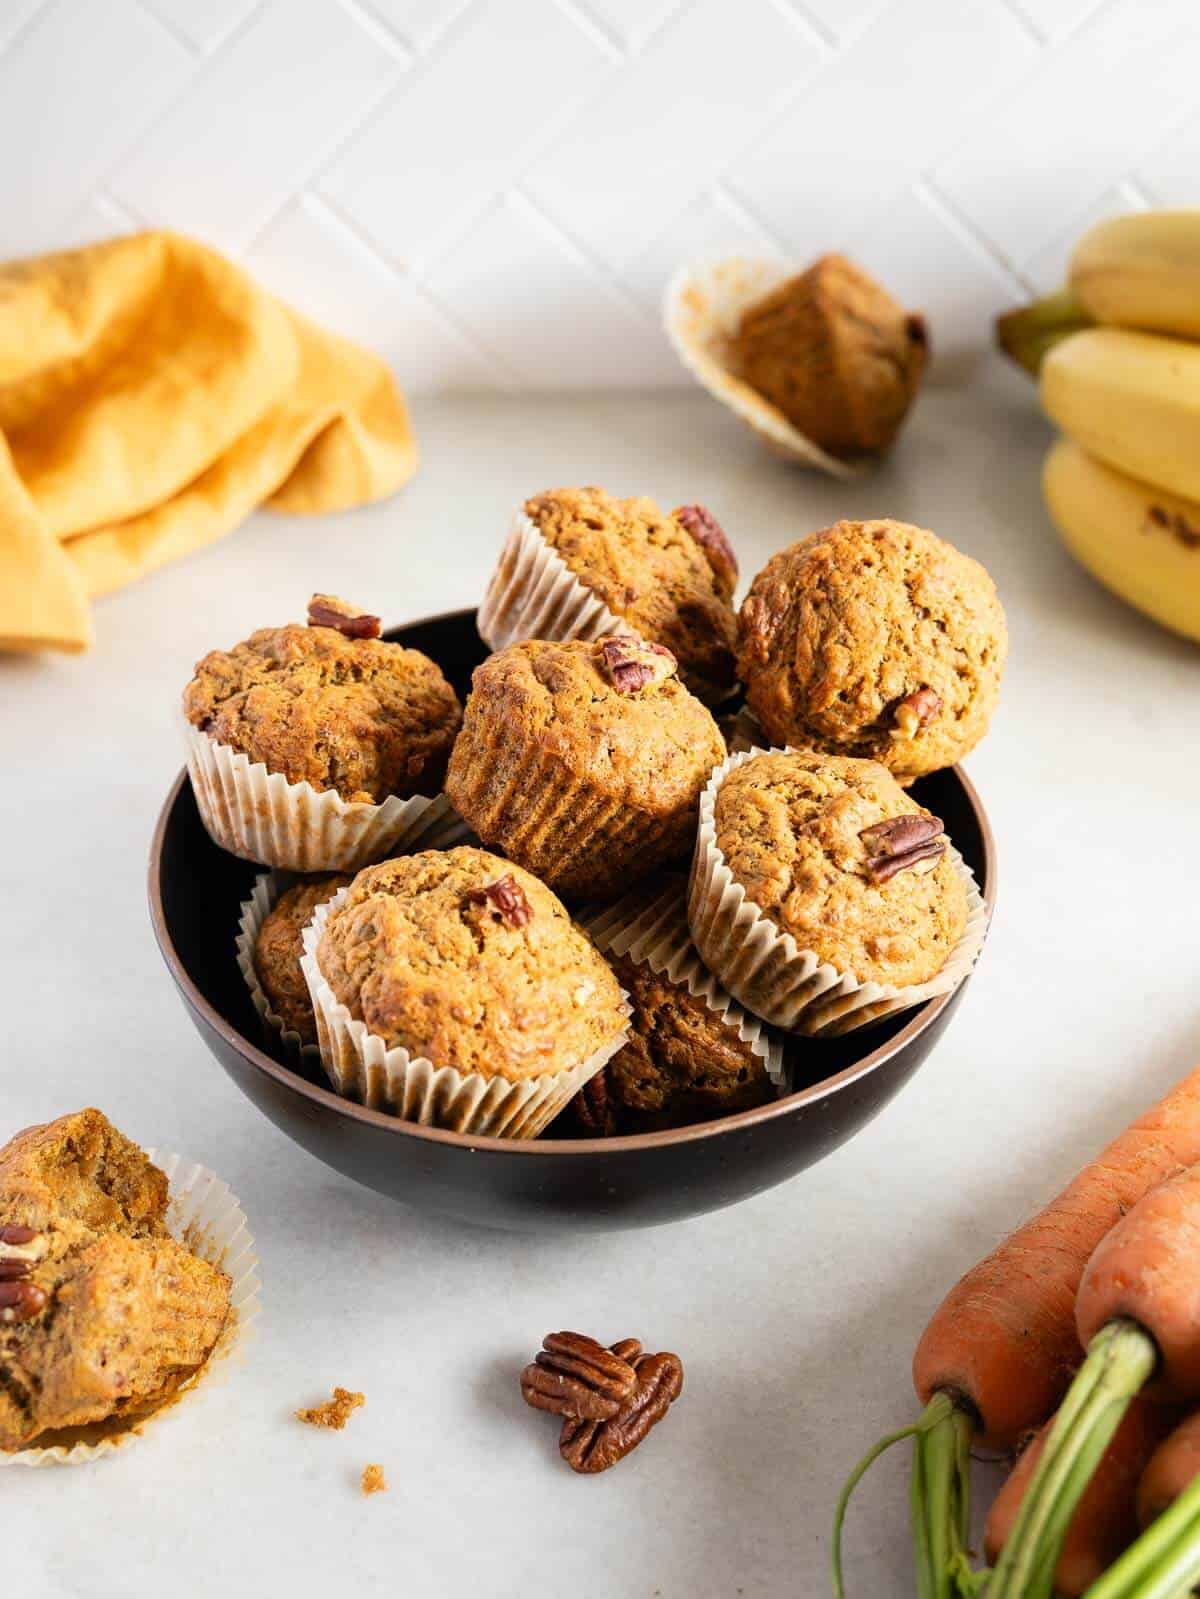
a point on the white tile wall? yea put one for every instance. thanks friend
(493, 192)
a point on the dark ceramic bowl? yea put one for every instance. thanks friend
(551, 1183)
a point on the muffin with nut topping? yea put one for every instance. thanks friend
(876, 640)
(580, 562)
(308, 745)
(583, 761)
(452, 987)
(820, 885)
(102, 1313)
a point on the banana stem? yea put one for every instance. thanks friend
(1119, 1361)
(1164, 1562)
(1028, 333)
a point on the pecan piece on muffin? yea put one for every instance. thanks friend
(105, 1314)
(877, 640)
(583, 761)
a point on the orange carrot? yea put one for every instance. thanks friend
(1003, 1340)
(1104, 1522)
(1173, 1465)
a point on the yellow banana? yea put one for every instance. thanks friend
(1133, 399)
(1141, 271)
(1139, 541)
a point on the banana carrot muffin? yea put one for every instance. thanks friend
(668, 578)
(102, 1313)
(455, 961)
(279, 946)
(583, 761)
(876, 640)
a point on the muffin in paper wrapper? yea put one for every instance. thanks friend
(260, 816)
(534, 594)
(652, 930)
(702, 310)
(362, 1067)
(203, 1214)
(767, 971)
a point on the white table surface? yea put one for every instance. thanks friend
(795, 1313)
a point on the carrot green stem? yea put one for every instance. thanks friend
(1119, 1361)
(1028, 333)
(1164, 1562)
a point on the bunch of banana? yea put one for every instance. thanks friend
(1120, 374)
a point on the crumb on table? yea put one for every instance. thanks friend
(333, 1412)
(373, 1480)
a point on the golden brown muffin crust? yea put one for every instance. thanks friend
(790, 826)
(877, 640)
(279, 946)
(127, 1313)
(669, 577)
(430, 955)
(361, 716)
(638, 757)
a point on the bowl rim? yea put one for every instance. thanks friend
(532, 1148)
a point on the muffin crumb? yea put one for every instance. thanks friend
(373, 1480)
(332, 1413)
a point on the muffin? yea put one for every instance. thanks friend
(102, 1313)
(311, 748)
(876, 640)
(832, 351)
(276, 981)
(580, 563)
(691, 1054)
(822, 894)
(451, 987)
(583, 761)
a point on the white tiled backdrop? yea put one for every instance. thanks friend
(494, 192)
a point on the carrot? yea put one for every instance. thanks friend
(1172, 1467)
(999, 1352)
(1137, 1313)
(1104, 1522)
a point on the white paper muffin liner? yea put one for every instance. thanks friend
(258, 815)
(362, 1067)
(702, 310)
(205, 1215)
(768, 972)
(534, 594)
(655, 933)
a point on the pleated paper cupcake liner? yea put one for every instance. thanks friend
(533, 594)
(766, 969)
(655, 933)
(581, 842)
(203, 1214)
(362, 1067)
(702, 310)
(260, 816)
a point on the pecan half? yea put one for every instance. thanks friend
(632, 664)
(577, 1377)
(505, 901)
(591, 1446)
(915, 712)
(903, 843)
(762, 615)
(20, 1301)
(710, 536)
(326, 610)
(20, 1247)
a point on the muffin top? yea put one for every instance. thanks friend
(671, 578)
(279, 946)
(682, 1063)
(89, 1268)
(612, 711)
(874, 639)
(326, 705)
(468, 961)
(835, 853)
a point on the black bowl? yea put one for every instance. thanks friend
(552, 1183)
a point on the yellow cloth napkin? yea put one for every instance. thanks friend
(151, 395)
